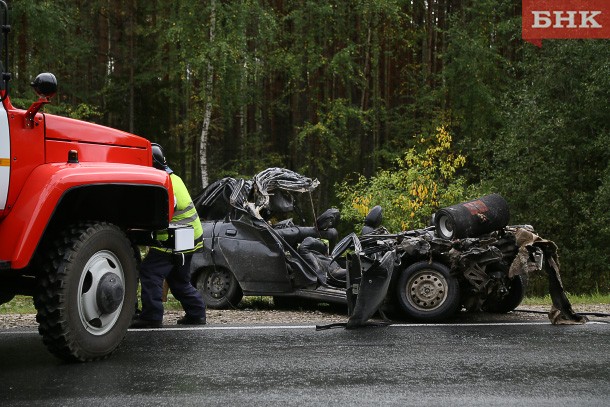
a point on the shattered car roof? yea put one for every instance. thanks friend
(273, 179)
(218, 198)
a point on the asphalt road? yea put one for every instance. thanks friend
(474, 364)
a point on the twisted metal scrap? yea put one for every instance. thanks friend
(280, 178)
(469, 257)
(561, 312)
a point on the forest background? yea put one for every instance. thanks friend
(410, 104)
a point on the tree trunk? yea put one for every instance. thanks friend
(207, 114)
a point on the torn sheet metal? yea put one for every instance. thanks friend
(274, 180)
(528, 258)
(372, 290)
(269, 190)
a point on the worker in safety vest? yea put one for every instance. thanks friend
(164, 263)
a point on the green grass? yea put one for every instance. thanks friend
(586, 299)
(18, 305)
(253, 302)
(24, 305)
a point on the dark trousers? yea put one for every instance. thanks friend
(155, 268)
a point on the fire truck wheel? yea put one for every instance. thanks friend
(87, 291)
(428, 292)
(218, 287)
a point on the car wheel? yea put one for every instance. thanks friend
(219, 288)
(510, 301)
(428, 292)
(85, 295)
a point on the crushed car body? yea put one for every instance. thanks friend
(425, 275)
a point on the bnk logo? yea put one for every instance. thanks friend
(566, 19)
(546, 19)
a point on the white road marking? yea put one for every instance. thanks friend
(296, 327)
(492, 324)
(277, 327)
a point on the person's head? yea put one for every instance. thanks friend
(159, 161)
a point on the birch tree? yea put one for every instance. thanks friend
(207, 114)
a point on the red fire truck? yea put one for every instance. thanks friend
(76, 199)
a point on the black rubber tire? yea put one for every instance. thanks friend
(428, 292)
(218, 287)
(516, 293)
(68, 293)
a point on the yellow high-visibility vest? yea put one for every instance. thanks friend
(184, 214)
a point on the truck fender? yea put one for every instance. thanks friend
(48, 183)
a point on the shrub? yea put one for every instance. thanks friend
(424, 179)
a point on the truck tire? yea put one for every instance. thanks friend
(218, 287)
(428, 292)
(87, 291)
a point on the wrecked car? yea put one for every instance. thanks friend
(246, 253)
(470, 259)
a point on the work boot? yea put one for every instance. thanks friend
(138, 323)
(189, 320)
